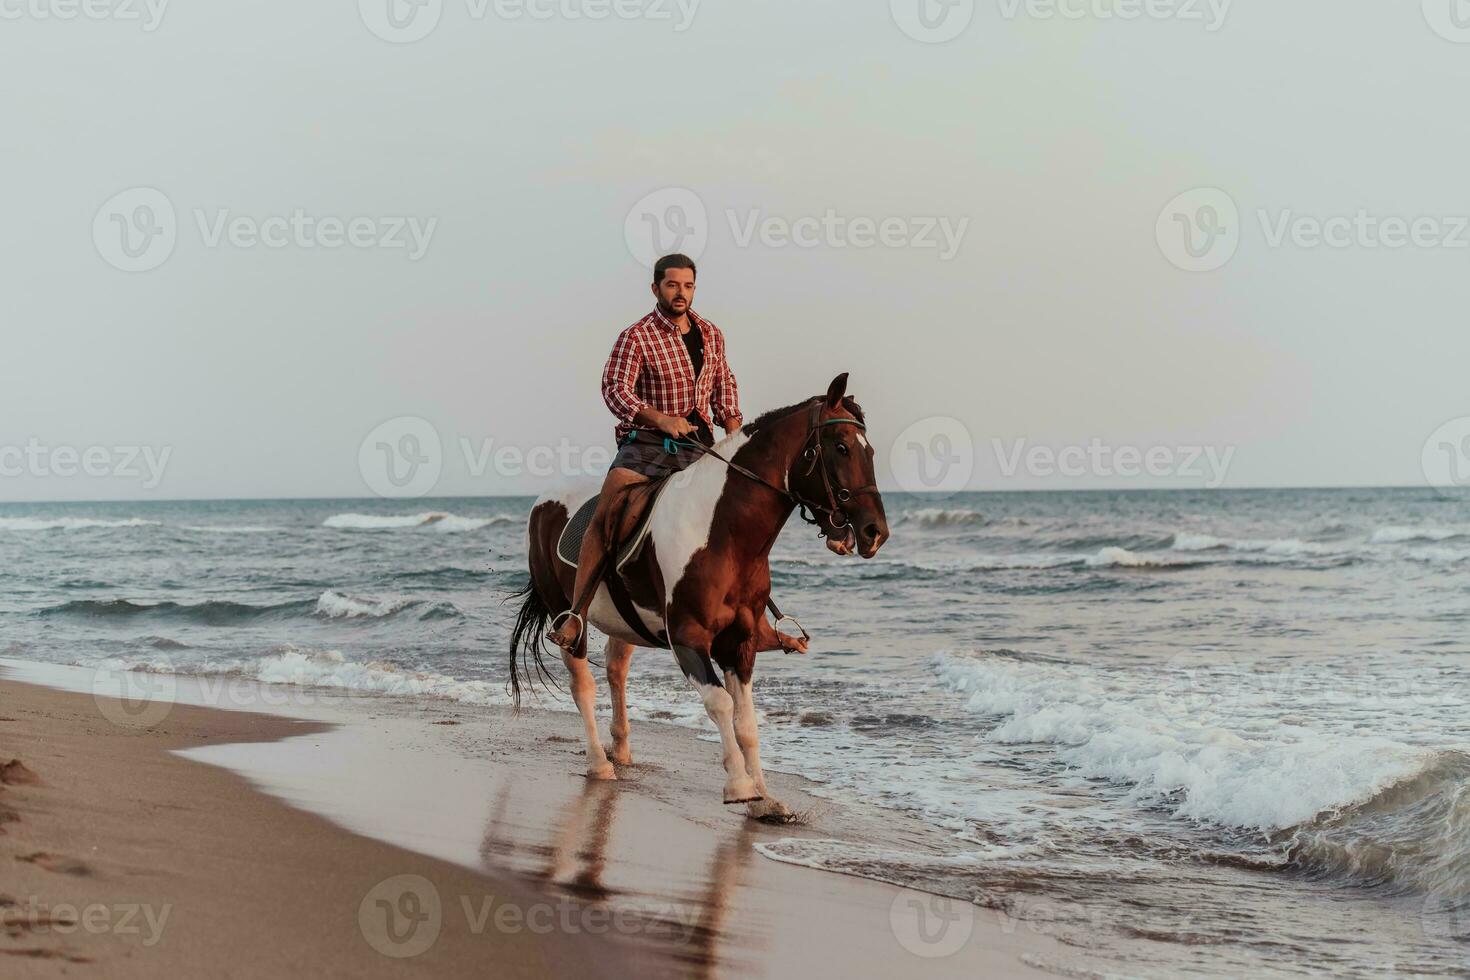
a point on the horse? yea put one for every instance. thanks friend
(701, 581)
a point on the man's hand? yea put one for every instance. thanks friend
(672, 425)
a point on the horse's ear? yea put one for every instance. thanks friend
(836, 390)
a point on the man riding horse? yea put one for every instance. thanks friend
(667, 381)
(699, 583)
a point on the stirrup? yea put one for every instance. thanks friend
(556, 624)
(777, 627)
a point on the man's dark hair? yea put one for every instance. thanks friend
(675, 261)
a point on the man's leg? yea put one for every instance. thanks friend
(615, 495)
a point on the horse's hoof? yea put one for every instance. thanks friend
(605, 772)
(770, 811)
(742, 792)
(622, 758)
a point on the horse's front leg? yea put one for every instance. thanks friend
(584, 692)
(747, 733)
(618, 655)
(692, 650)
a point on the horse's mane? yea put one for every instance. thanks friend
(776, 414)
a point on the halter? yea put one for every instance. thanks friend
(833, 517)
(836, 517)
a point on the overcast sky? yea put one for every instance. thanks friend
(1032, 288)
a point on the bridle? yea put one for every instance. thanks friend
(828, 517)
(834, 516)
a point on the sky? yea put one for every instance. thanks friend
(285, 249)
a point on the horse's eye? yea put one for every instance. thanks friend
(842, 448)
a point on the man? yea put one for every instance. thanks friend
(667, 380)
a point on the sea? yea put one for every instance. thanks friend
(1217, 733)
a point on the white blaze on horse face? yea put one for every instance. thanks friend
(683, 518)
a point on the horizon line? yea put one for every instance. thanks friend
(916, 493)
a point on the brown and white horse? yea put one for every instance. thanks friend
(702, 579)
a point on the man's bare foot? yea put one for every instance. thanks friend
(792, 644)
(566, 635)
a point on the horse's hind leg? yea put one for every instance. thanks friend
(584, 692)
(696, 665)
(618, 655)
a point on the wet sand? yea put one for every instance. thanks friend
(433, 839)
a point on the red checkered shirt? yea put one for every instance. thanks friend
(650, 366)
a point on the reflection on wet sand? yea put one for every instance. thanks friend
(572, 856)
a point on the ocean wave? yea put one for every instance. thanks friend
(210, 613)
(70, 523)
(307, 668)
(1170, 752)
(1123, 558)
(440, 521)
(336, 605)
(1412, 836)
(1130, 542)
(940, 517)
(225, 529)
(447, 576)
(1399, 535)
(1280, 547)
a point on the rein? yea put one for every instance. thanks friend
(836, 518)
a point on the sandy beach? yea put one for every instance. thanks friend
(387, 837)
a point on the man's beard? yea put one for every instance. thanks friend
(668, 310)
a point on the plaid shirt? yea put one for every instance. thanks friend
(650, 367)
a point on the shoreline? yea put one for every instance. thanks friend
(128, 859)
(529, 866)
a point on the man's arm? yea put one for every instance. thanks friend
(619, 378)
(725, 401)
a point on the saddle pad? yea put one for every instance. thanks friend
(569, 545)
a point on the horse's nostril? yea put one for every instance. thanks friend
(871, 532)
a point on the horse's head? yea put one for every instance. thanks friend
(836, 472)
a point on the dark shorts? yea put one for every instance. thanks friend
(647, 454)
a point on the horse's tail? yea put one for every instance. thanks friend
(528, 636)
